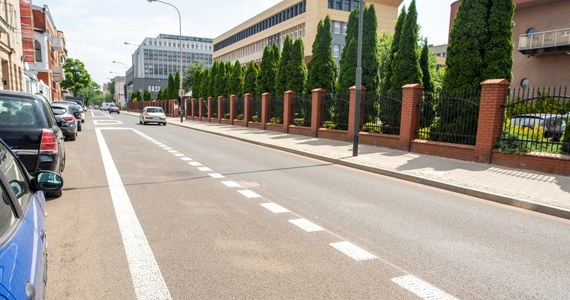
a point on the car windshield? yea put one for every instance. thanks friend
(155, 110)
(17, 112)
(58, 110)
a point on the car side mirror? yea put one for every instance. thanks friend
(48, 181)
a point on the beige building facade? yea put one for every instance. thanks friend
(297, 19)
(11, 65)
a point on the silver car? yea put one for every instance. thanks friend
(152, 114)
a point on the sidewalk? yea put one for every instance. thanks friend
(527, 189)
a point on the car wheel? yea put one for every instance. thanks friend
(72, 137)
(140, 122)
(82, 121)
(118, 113)
(164, 124)
(79, 128)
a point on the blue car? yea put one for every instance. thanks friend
(23, 259)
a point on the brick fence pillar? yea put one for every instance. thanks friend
(352, 111)
(247, 106)
(265, 108)
(410, 117)
(233, 100)
(187, 103)
(489, 126)
(221, 106)
(318, 98)
(288, 109)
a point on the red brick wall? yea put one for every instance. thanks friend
(463, 152)
(548, 163)
(299, 130)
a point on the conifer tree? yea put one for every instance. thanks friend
(370, 63)
(212, 85)
(467, 42)
(322, 68)
(250, 78)
(284, 71)
(498, 59)
(236, 80)
(159, 95)
(176, 86)
(169, 87)
(346, 77)
(266, 79)
(388, 85)
(424, 64)
(220, 80)
(297, 80)
(406, 64)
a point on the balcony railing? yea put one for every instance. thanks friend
(546, 41)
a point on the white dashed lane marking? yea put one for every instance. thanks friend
(194, 163)
(353, 251)
(249, 194)
(186, 158)
(216, 175)
(275, 208)
(306, 225)
(421, 288)
(231, 184)
(205, 169)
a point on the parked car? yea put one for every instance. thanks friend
(152, 114)
(28, 126)
(553, 125)
(105, 105)
(23, 253)
(79, 107)
(114, 109)
(76, 112)
(65, 119)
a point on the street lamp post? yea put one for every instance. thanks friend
(180, 92)
(358, 80)
(126, 69)
(143, 88)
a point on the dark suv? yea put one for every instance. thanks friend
(29, 128)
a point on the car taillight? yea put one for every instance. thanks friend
(68, 119)
(78, 117)
(48, 143)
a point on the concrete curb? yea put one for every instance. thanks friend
(511, 201)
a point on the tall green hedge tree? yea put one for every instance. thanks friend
(370, 63)
(322, 68)
(498, 58)
(297, 81)
(406, 64)
(250, 78)
(387, 80)
(236, 80)
(284, 71)
(267, 72)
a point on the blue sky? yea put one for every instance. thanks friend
(95, 30)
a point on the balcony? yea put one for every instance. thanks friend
(545, 42)
(57, 44)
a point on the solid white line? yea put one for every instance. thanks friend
(145, 273)
(421, 288)
(216, 175)
(249, 194)
(353, 251)
(204, 169)
(306, 225)
(275, 208)
(231, 184)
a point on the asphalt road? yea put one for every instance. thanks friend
(154, 212)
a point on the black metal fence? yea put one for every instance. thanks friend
(302, 110)
(276, 115)
(536, 120)
(256, 109)
(226, 108)
(196, 106)
(450, 117)
(382, 113)
(214, 108)
(239, 108)
(205, 109)
(335, 112)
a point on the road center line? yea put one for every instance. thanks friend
(145, 273)
(421, 288)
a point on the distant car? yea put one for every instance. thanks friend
(28, 126)
(65, 119)
(553, 125)
(23, 253)
(106, 105)
(152, 114)
(114, 109)
(96, 106)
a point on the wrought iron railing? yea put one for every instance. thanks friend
(302, 110)
(335, 112)
(545, 39)
(382, 113)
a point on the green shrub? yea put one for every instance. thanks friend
(227, 116)
(239, 117)
(371, 127)
(329, 125)
(299, 121)
(275, 120)
(255, 118)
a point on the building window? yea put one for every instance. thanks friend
(38, 50)
(336, 51)
(525, 83)
(346, 5)
(531, 31)
(344, 28)
(336, 27)
(331, 3)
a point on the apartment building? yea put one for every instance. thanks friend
(156, 58)
(43, 51)
(542, 42)
(11, 66)
(297, 19)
